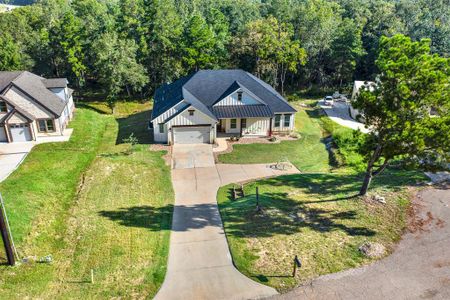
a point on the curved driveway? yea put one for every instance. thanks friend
(200, 264)
(419, 268)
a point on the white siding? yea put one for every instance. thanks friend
(282, 127)
(233, 100)
(255, 126)
(181, 119)
(184, 118)
(170, 112)
(27, 104)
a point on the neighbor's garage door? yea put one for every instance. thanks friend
(20, 132)
(191, 135)
(3, 134)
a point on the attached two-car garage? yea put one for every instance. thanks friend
(191, 134)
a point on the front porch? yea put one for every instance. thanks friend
(244, 127)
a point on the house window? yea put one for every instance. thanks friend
(243, 123)
(239, 96)
(46, 125)
(233, 124)
(287, 120)
(3, 107)
(191, 112)
(161, 127)
(277, 120)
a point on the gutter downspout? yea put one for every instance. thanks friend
(270, 127)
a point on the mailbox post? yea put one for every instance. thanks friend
(297, 264)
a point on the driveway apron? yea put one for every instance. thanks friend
(200, 264)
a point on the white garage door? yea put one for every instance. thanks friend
(191, 135)
(20, 132)
(3, 134)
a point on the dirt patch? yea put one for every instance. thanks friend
(160, 147)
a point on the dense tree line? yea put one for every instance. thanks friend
(131, 44)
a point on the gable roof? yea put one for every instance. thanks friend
(16, 108)
(55, 83)
(210, 86)
(35, 87)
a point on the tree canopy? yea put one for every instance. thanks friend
(408, 111)
(290, 43)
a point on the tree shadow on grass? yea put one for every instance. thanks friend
(136, 124)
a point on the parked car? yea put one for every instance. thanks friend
(328, 100)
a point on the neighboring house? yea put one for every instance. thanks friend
(198, 107)
(354, 113)
(32, 107)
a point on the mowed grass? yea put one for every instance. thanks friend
(112, 215)
(307, 153)
(314, 216)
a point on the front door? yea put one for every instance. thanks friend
(221, 126)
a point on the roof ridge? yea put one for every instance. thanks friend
(270, 89)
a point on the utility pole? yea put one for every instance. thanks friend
(5, 236)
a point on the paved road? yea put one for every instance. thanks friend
(339, 114)
(200, 264)
(418, 269)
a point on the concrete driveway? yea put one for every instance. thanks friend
(200, 264)
(11, 156)
(419, 268)
(339, 114)
(186, 156)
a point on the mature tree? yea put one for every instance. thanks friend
(427, 19)
(381, 21)
(346, 51)
(65, 41)
(199, 44)
(117, 67)
(10, 56)
(271, 47)
(412, 81)
(163, 41)
(316, 26)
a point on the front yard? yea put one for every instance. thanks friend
(307, 153)
(92, 203)
(316, 215)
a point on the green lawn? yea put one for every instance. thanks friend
(92, 203)
(308, 153)
(313, 216)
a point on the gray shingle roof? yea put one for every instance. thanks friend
(33, 85)
(6, 78)
(210, 86)
(55, 83)
(242, 111)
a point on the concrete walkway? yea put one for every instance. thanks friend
(200, 264)
(13, 154)
(339, 114)
(419, 268)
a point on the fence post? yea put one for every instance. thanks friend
(5, 235)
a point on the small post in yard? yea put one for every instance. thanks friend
(92, 275)
(258, 208)
(5, 237)
(297, 263)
